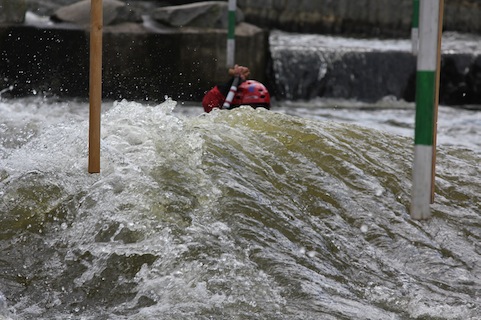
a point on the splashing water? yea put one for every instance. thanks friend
(241, 214)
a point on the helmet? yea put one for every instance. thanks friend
(252, 93)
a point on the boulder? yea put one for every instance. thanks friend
(79, 12)
(207, 14)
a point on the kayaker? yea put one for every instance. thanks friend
(249, 92)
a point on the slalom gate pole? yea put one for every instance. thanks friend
(415, 27)
(95, 85)
(426, 79)
(436, 97)
(231, 33)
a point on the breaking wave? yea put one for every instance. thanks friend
(241, 214)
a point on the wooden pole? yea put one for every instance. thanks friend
(96, 26)
(436, 97)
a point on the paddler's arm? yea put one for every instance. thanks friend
(241, 71)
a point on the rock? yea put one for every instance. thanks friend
(208, 14)
(79, 12)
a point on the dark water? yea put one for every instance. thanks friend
(242, 214)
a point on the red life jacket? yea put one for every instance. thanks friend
(213, 99)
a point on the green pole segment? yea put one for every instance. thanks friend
(426, 81)
(415, 27)
(425, 86)
(231, 33)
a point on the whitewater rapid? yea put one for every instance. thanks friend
(296, 213)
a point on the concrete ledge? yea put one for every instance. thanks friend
(311, 66)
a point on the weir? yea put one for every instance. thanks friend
(312, 66)
(183, 64)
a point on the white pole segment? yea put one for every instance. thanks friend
(232, 6)
(414, 40)
(428, 34)
(415, 27)
(421, 192)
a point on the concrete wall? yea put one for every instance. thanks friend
(12, 11)
(138, 64)
(386, 18)
(380, 18)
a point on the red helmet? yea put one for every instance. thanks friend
(252, 93)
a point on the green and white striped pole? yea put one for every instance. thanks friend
(415, 27)
(426, 85)
(231, 33)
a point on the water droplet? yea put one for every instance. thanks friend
(311, 254)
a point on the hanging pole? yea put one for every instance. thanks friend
(415, 27)
(95, 86)
(232, 6)
(427, 64)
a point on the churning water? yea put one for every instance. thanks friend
(296, 213)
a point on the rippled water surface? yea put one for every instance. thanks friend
(296, 213)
